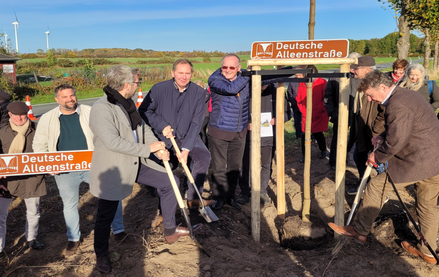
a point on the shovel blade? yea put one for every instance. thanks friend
(208, 214)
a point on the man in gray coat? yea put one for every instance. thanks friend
(122, 156)
(411, 145)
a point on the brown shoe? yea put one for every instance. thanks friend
(157, 221)
(72, 247)
(348, 231)
(179, 232)
(103, 264)
(197, 203)
(412, 249)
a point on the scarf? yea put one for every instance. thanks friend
(114, 97)
(413, 86)
(17, 145)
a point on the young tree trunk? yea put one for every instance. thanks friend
(427, 50)
(436, 55)
(312, 19)
(404, 35)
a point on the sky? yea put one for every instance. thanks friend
(175, 25)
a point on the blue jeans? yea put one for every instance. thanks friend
(68, 186)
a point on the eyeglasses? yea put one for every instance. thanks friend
(229, 67)
(360, 67)
(138, 83)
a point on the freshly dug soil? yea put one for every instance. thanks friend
(287, 247)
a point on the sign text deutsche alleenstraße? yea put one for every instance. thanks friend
(301, 49)
(48, 162)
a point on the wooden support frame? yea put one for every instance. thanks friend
(256, 138)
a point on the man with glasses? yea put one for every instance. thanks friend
(66, 128)
(126, 151)
(228, 125)
(368, 119)
(176, 108)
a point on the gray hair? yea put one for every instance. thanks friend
(231, 55)
(63, 87)
(119, 75)
(374, 79)
(417, 67)
(354, 55)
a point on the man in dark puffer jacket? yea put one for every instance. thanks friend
(228, 124)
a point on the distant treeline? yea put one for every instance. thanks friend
(386, 46)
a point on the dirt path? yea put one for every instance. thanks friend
(232, 249)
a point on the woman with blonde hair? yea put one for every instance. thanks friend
(416, 81)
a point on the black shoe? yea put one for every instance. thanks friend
(243, 199)
(103, 264)
(35, 245)
(120, 236)
(218, 205)
(323, 154)
(302, 160)
(232, 202)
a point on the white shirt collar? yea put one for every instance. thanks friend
(384, 103)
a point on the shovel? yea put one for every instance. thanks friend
(181, 205)
(206, 212)
(357, 199)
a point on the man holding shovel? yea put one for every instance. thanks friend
(125, 152)
(179, 105)
(411, 145)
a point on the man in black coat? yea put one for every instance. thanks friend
(179, 105)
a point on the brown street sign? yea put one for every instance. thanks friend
(301, 49)
(48, 162)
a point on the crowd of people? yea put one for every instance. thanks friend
(130, 145)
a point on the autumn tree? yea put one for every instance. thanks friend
(423, 15)
(400, 8)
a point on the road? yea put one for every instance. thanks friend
(42, 108)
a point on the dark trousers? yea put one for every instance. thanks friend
(203, 131)
(320, 137)
(199, 163)
(297, 119)
(267, 153)
(107, 208)
(333, 150)
(226, 166)
(360, 159)
(104, 217)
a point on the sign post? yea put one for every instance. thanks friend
(296, 53)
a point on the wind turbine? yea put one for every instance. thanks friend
(16, 23)
(47, 37)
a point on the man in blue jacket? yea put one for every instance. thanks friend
(179, 105)
(228, 124)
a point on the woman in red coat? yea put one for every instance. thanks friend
(320, 118)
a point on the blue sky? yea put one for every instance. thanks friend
(226, 25)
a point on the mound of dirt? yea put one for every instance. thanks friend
(287, 247)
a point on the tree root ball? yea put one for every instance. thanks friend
(296, 234)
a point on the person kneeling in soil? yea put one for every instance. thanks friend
(16, 137)
(122, 156)
(411, 143)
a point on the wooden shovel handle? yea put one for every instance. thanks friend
(186, 169)
(174, 184)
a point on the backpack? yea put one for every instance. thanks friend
(430, 87)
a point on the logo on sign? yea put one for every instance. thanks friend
(264, 50)
(8, 164)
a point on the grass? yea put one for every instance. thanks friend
(203, 70)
